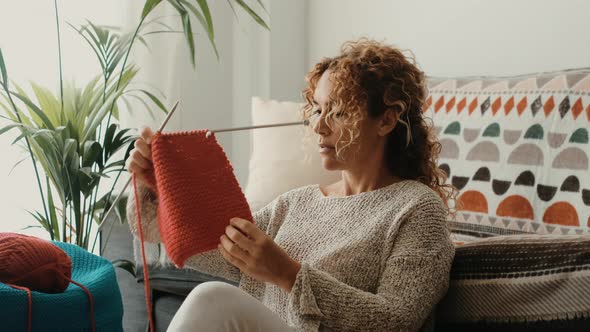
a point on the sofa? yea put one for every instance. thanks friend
(517, 148)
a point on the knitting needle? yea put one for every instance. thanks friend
(305, 123)
(104, 218)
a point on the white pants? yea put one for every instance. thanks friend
(218, 306)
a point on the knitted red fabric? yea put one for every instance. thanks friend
(197, 192)
(33, 263)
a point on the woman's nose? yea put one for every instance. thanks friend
(320, 127)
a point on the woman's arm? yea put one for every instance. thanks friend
(210, 262)
(148, 209)
(415, 277)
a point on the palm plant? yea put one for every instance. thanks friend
(74, 136)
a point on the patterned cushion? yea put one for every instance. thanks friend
(517, 149)
(519, 282)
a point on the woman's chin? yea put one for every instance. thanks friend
(330, 164)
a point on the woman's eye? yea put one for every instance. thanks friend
(316, 112)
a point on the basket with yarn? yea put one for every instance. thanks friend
(50, 286)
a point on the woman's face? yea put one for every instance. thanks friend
(333, 132)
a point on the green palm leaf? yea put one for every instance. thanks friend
(96, 117)
(43, 119)
(253, 14)
(53, 222)
(149, 6)
(48, 103)
(4, 78)
(186, 26)
(205, 20)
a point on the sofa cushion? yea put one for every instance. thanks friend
(517, 149)
(176, 281)
(521, 281)
(282, 158)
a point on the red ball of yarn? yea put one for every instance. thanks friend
(33, 263)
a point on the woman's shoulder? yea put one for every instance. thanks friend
(413, 191)
(423, 191)
(413, 197)
(296, 193)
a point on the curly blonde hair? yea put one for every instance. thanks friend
(368, 79)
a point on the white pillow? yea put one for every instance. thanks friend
(281, 158)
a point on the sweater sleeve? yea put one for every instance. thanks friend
(414, 278)
(148, 208)
(213, 263)
(210, 262)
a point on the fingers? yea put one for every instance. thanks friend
(146, 134)
(143, 148)
(141, 173)
(232, 259)
(141, 167)
(233, 249)
(139, 162)
(134, 168)
(246, 227)
(239, 238)
(138, 158)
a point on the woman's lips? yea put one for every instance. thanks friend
(325, 148)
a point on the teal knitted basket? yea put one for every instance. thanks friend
(70, 310)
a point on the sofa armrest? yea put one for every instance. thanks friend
(531, 281)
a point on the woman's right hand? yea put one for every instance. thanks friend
(139, 162)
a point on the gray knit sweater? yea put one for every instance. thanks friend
(374, 261)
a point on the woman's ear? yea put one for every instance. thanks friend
(388, 122)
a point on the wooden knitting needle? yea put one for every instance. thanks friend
(106, 215)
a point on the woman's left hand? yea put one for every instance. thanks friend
(253, 252)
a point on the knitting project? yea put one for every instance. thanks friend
(197, 190)
(197, 195)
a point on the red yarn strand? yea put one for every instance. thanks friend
(90, 301)
(146, 278)
(30, 299)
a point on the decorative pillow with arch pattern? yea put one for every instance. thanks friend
(517, 149)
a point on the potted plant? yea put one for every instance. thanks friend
(73, 139)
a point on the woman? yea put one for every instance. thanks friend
(369, 252)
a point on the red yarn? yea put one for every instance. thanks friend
(34, 263)
(90, 301)
(197, 195)
(27, 262)
(146, 278)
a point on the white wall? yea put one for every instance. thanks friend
(460, 37)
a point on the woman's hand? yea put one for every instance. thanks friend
(257, 255)
(140, 159)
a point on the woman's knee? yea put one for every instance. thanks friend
(212, 295)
